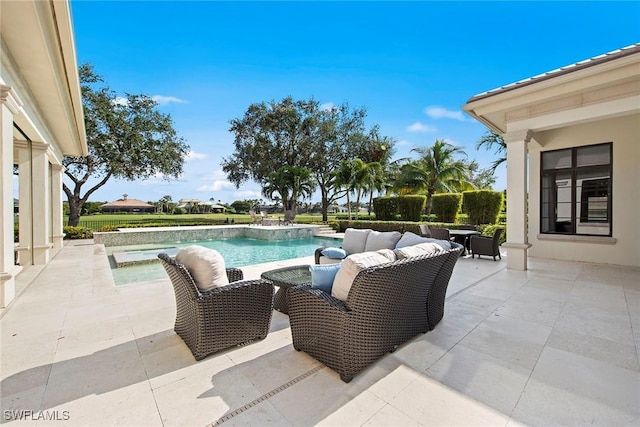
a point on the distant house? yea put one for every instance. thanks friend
(216, 208)
(128, 205)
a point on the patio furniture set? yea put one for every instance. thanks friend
(467, 236)
(357, 302)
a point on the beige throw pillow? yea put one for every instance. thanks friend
(351, 266)
(355, 240)
(382, 240)
(205, 265)
(387, 253)
(417, 250)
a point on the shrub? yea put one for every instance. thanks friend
(109, 228)
(489, 229)
(385, 208)
(446, 206)
(483, 206)
(411, 208)
(71, 232)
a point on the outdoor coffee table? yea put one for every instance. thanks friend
(284, 278)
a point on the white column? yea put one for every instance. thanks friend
(41, 203)
(56, 205)
(25, 201)
(10, 105)
(517, 243)
(35, 203)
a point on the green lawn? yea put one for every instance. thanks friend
(96, 222)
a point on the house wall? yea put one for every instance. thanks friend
(622, 248)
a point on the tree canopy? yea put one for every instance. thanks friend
(127, 138)
(301, 134)
(435, 170)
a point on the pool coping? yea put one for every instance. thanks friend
(152, 235)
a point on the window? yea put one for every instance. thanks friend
(576, 191)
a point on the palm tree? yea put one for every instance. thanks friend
(488, 141)
(374, 180)
(350, 176)
(164, 203)
(436, 170)
(289, 183)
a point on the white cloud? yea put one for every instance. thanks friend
(402, 143)
(218, 185)
(327, 106)
(247, 194)
(119, 100)
(436, 112)
(192, 155)
(420, 127)
(165, 100)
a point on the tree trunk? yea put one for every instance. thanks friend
(75, 207)
(325, 204)
(429, 203)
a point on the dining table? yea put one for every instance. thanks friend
(463, 237)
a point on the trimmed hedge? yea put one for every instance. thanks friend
(385, 208)
(401, 226)
(404, 208)
(483, 206)
(446, 206)
(411, 208)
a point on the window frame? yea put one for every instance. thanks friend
(573, 171)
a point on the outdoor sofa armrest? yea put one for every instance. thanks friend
(318, 254)
(308, 295)
(234, 274)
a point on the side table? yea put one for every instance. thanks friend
(284, 278)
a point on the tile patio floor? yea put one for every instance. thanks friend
(556, 345)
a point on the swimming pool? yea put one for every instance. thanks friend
(130, 264)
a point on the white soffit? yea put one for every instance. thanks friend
(39, 37)
(612, 80)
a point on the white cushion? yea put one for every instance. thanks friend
(326, 260)
(388, 253)
(355, 240)
(417, 250)
(410, 239)
(350, 268)
(205, 265)
(444, 244)
(382, 240)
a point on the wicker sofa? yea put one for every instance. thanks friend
(223, 316)
(385, 307)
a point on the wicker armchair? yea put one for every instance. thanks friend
(424, 230)
(440, 233)
(387, 305)
(484, 245)
(222, 317)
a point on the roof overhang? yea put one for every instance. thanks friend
(38, 48)
(596, 89)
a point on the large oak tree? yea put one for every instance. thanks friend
(127, 137)
(301, 134)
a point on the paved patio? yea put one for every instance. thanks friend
(556, 345)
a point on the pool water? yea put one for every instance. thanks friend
(237, 252)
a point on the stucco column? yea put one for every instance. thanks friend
(517, 243)
(35, 203)
(56, 205)
(41, 203)
(10, 105)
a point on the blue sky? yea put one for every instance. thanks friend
(412, 65)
